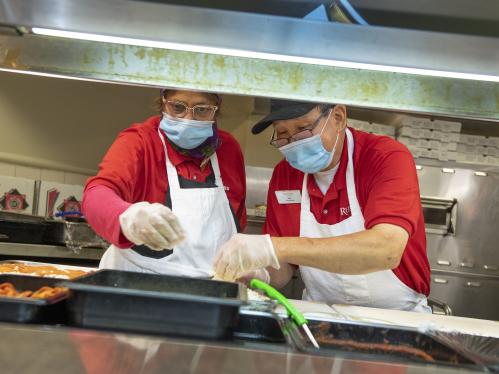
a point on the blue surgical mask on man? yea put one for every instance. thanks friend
(309, 155)
(186, 133)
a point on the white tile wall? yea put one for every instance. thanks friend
(7, 169)
(52, 176)
(75, 179)
(28, 172)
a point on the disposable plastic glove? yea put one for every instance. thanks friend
(154, 225)
(261, 274)
(243, 254)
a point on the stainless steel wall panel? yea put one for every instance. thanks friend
(468, 296)
(475, 247)
(257, 185)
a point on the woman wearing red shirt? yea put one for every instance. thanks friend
(170, 191)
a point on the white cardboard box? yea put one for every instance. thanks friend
(447, 126)
(358, 124)
(429, 153)
(17, 194)
(379, 128)
(448, 137)
(447, 156)
(413, 122)
(415, 151)
(57, 197)
(490, 151)
(472, 139)
(493, 141)
(471, 158)
(442, 146)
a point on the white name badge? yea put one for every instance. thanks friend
(288, 196)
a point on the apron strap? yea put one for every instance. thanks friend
(350, 176)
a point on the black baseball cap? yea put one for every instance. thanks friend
(283, 110)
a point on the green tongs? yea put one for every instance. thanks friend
(295, 315)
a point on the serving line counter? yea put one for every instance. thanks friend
(40, 349)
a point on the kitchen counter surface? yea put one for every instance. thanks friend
(21, 250)
(31, 349)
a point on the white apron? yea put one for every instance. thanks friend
(207, 219)
(380, 289)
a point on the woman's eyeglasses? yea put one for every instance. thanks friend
(201, 112)
(300, 135)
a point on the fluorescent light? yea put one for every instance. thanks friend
(480, 173)
(260, 55)
(51, 75)
(449, 171)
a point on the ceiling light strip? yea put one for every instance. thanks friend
(260, 55)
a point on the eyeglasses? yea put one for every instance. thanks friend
(300, 135)
(201, 112)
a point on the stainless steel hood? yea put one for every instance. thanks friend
(253, 54)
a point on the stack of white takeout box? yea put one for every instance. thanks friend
(372, 127)
(478, 149)
(435, 139)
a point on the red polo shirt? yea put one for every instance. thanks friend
(387, 190)
(134, 168)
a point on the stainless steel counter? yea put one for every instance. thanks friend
(35, 349)
(20, 250)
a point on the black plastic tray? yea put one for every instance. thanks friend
(22, 231)
(27, 310)
(157, 304)
(331, 335)
(259, 326)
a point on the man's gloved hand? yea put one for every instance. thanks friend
(154, 225)
(243, 254)
(261, 274)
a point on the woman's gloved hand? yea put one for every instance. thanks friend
(243, 254)
(154, 225)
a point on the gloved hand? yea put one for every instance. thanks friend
(154, 225)
(261, 274)
(242, 254)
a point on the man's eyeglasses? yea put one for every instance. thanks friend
(201, 112)
(300, 135)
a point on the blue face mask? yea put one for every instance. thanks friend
(186, 133)
(309, 155)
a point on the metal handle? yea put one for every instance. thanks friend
(444, 262)
(466, 264)
(437, 312)
(440, 280)
(490, 267)
(446, 309)
(3, 236)
(473, 284)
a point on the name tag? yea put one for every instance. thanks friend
(288, 196)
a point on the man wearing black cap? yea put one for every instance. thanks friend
(344, 207)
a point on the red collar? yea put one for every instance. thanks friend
(177, 158)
